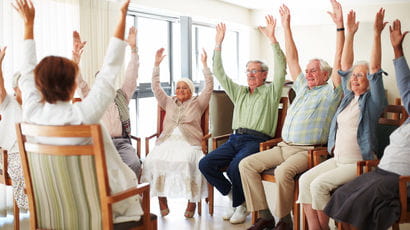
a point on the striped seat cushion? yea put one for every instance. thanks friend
(65, 191)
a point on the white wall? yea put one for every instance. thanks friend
(317, 38)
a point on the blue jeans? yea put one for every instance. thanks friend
(228, 156)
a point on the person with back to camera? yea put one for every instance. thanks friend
(172, 166)
(254, 120)
(351, 137)
(371, 201)
(306, 125)
(48, 89)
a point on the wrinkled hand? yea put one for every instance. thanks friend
(78, 47)
(379, 23)
(352, 26)
(337, 14)
(132, 37)
(269, 30)
(396, 36)
(220, 33)
(159, 56)
(26, 10)
(204, 58)
(284, 15)
(2, 54)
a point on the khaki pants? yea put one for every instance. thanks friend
(289, 159)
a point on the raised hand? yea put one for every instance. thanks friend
(132, 38)
(352, 25)
(159, 56)
(269, 30)
(124, 7)
(337, 14)
(397, 37)
(78, 47)
(284, 15)
(26, 10)
(2, 54)
(220, 33)
(204, 58)
(379, 23)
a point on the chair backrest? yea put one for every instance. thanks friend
(282, 111)
(221, 112)
(391, 119)
(67, 185)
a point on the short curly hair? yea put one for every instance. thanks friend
(55, 78)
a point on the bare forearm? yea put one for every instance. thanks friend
(28, 31)
(347, 54)
(120, 29)
(292, 56)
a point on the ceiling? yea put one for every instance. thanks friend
(270, 4)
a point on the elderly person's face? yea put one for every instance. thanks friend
(256, 76)
(314, 76)
(183, 92)
(358, 81)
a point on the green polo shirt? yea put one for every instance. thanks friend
(259, 110)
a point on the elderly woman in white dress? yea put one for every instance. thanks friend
(10, 113)
(172, 166)
(48, 88)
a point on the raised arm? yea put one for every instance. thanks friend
(269, 30)
(27, 12)
(2, 88)
(400, 63)
(292, 57)
(348, 54)
(206, 93)
(376, 56)
(78, 49)
(120, 29)
(337, 17)
(131, 74)
(220, 35)
(159, 93)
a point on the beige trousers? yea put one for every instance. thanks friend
(316, 184)
(289, 159)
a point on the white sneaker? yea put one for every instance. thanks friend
(229, 211)
(239, 216)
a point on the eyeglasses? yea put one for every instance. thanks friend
(254, 71)
(358, 75)
(311, 71)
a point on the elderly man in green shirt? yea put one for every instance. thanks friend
(254, 120)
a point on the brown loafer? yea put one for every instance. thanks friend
(261, 224)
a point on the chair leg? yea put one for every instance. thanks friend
(304, 219)
(339, 226)
(16, 213)
(211, 199)
(296, 208)
(396, 226)
(199, 207)
(254, 217)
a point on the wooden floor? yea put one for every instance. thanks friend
(176, 219)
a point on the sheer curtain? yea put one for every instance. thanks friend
(54, 24)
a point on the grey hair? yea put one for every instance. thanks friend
(265, 68)
(365, 63)
(324, 66)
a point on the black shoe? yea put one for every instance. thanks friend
(261, 224)
(284, 226)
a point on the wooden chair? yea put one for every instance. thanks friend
(206, 135)
(67, 185)
(6, 180)
(217, 141)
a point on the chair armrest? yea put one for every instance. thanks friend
(403, 198)
(3, 166)
(204, 143)
(138, 147)
(269, 144)
(147, 142)
(315, 155)
(366, 166)
(216, 139)
(139, 189)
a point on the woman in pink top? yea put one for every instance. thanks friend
(172, 166)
